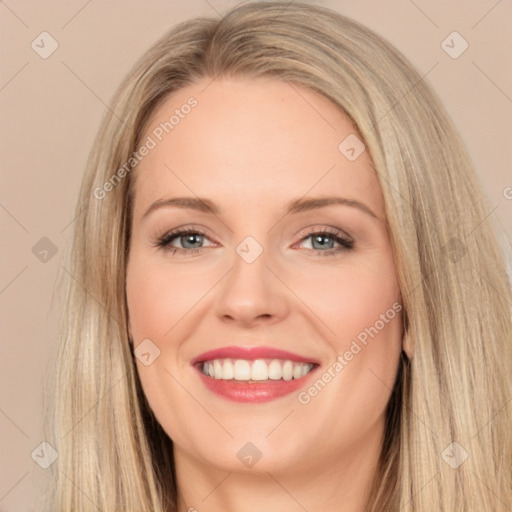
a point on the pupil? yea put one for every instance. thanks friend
(321, 240)
(191, 239)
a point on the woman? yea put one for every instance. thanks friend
(286, 289)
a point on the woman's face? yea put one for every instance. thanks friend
(285, 277)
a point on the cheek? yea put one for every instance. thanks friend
(361, 306)
(351, 297)
(149, 303)
(159, 295)
(157, 300)
(361, 314)
(366, 301)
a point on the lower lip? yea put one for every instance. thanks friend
(264, 391)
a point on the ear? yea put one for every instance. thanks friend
(407, 338)
(408, 345)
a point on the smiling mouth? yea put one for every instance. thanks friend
(254, 371)
(253, 374)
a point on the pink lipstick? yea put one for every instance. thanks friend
(253, 374)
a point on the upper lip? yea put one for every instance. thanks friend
(251, 353)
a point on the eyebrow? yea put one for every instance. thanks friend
(296, 206)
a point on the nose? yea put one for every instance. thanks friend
(251, 294)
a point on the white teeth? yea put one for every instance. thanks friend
(275, 371)
(228, 371)
(242, 370)
(257, 370)
(217, 369)
(287, 370)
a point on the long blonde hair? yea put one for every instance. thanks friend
(114, 456)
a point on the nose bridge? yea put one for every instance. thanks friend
(251, 291)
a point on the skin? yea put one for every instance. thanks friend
(251, 147)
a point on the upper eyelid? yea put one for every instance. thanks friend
(175, 233)
(304, 232)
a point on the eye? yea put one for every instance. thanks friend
(324, 241)
(191, 240)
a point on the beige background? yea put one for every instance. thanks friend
(51, 109)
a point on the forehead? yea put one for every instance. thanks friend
(247, 142)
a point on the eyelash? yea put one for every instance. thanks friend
(345, 243)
